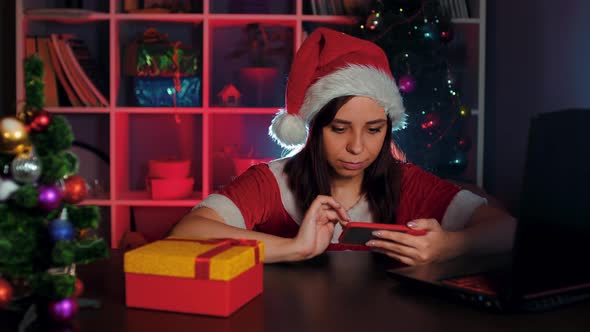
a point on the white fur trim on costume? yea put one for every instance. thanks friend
(356, 80)
(459, 211)
(226, 209)
(289, 130)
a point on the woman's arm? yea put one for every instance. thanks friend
(206, 223)
(312, 239)
(489, 230)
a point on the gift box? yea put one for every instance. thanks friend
(153, 54)
(165, 73)
(153, 91)
(211, 277)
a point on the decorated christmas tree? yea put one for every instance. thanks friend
(43, 234)
(416, 36)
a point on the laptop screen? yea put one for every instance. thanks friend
(553, 236)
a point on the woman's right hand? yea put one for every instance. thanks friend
(317, 227)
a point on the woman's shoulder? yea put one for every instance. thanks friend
(408, 169)
(268, 171)
(276, 166)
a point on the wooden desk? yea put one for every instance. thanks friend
(338, 291)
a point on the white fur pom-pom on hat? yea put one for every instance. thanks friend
(330, 64)
(289, 130)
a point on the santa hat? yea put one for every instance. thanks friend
(331, 64)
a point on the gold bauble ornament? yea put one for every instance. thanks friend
(465, 111)
(14, 138)
(26, 115)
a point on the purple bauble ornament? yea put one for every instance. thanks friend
(407, 83)
(63, 310)
(49, 198)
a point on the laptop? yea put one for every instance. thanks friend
(548, 266)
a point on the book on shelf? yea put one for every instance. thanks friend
(68, 68)
(67, 81)
(463, 8)
(66, 91)
(327, 7)
(455, 8)
(89, 66)
(314, 9)
(96, 98)
(60, 13)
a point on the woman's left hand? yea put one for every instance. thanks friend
(436, 245)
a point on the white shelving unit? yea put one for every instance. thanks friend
(124, 123)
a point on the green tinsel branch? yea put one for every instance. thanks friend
(26, 197)
(54, 286)
(34, 86)
(56, 138)
(84, 217)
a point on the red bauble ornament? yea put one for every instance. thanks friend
(5, 293)
(446, 33)
(40, 121)
(78, 288)
(464, 143)
(75, 189)
(431, 121)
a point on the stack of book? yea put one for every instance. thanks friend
(67, 65)
(327, 7)
(455, 8)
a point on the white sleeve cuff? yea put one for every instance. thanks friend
(225, 208)
(461, 209)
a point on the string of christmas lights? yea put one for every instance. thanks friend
(416, 36)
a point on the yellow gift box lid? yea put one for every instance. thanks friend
(213, 259)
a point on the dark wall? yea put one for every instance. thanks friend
(7, 58)
(538, 55)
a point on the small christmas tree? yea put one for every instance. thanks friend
(43, 235)
(415, 35)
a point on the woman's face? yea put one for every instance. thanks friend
(353, 140)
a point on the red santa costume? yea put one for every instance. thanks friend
(330, 64)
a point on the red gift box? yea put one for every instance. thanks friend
(211, 277)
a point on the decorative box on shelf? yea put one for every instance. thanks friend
(211, 277)
(169, 168)
(165, 73)
(169, 179)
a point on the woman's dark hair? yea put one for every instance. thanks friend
(308, 171)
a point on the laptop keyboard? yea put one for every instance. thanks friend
(476, 283)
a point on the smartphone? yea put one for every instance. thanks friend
(357, 232)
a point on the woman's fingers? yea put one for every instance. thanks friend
(329, 203)
(401, 258)
(328, 216)
(394, 247)
(408, 240)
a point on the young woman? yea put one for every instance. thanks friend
(341, 88)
